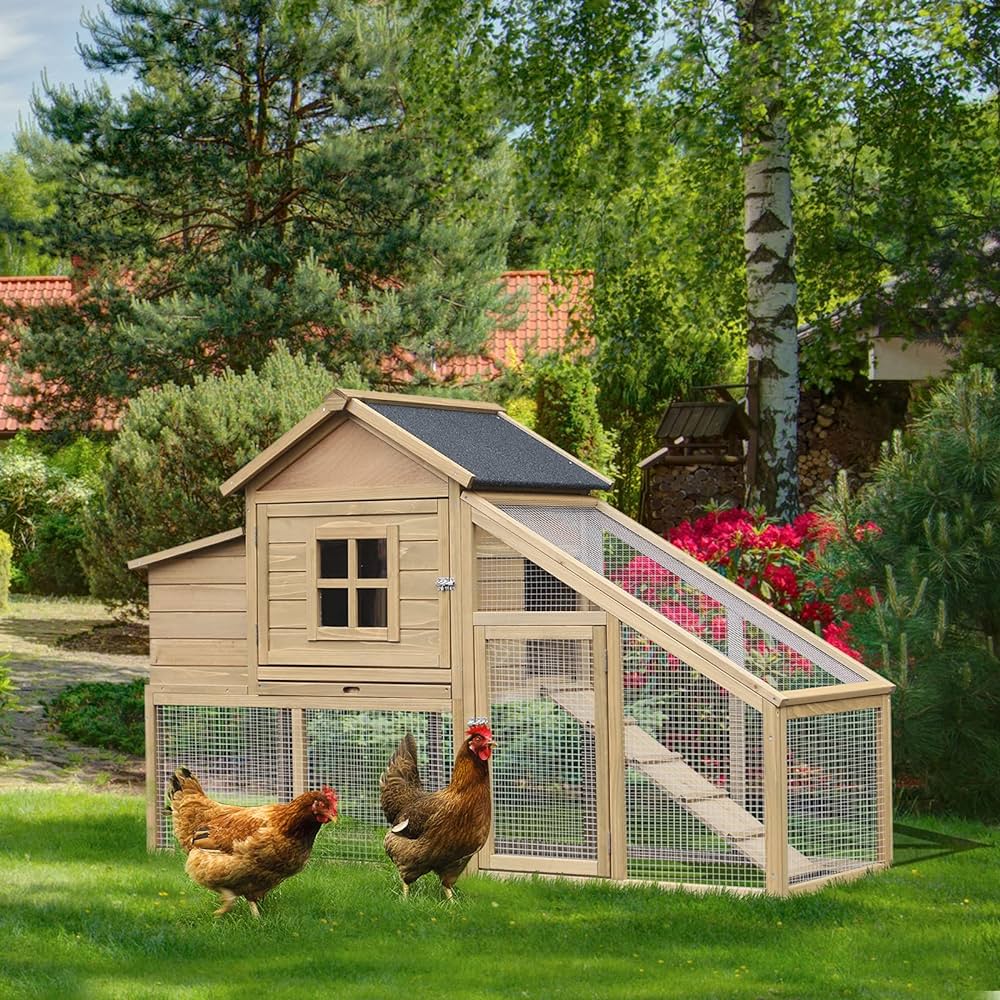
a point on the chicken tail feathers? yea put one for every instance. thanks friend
(400, 779)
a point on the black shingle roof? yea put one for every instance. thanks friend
(499, 453)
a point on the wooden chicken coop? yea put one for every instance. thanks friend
(409, 562)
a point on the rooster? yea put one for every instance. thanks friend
(437, 831)
(244, 851)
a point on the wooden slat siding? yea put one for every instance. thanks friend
(441, 556)
(289, 701)
(315, 463)
(357, 675)
(288, 558)
(422, 642)
(352, 508)
(360, 690)
(412, 614)
(412, 527)
(198, 652)
(197, 597)
(257, 620)
(232, 680)
(199, 545)
(197, 625)
(206, 569)
(416, 648)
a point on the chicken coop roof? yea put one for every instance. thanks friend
(476, 444)
(500, 453)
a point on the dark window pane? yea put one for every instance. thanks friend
(372, 608)
(333, 607)
(373, 564)
(333, 559)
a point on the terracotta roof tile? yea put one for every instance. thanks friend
(30, 291)
(547, 312)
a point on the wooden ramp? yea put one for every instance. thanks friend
(694, 793)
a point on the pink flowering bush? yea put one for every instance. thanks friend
(781, 564)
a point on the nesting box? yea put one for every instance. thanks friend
(407, 563)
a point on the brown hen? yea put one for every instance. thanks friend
(437, 831)
(244, 850)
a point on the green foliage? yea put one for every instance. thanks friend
(936, 492)
(277, 169)
(925, 928)
(22, 215)
(566, 410)
(102, 714)
(44, 494)
(6, 555)
(8, 698)
(52, 565)
(933, 568)
(176, 446)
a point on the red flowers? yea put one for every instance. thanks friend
(775, 562)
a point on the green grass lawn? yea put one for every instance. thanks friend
(86, 913)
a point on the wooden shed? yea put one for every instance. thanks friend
(408, 563)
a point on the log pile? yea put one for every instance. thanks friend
(842, 429)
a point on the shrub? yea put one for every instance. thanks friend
(102, 714)
(935, 628)
(43, 496)
(6, 553)
(176, 445)
(779, 563)
(8, 700)
(566, 410)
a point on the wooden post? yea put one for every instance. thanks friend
(775, 801)
(153, 805)
(616, 751)
(884, 751)
(299, 754)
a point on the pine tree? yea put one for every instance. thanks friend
(279, 172)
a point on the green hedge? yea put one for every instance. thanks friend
(6, 552)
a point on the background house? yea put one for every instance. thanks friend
(547, 312)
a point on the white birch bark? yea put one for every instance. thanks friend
(769, 246)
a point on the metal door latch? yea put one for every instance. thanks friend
(445, 583)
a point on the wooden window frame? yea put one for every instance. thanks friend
(351, 533)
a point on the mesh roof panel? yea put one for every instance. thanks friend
(693, 598)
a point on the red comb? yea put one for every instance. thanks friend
(480, 727)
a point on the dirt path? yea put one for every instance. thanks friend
(33, 753)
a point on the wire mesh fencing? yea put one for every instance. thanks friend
(245, 755)
(688, 595)
(833, 791)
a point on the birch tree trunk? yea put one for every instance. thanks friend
(769, 246)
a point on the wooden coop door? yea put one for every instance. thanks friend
(544, 689)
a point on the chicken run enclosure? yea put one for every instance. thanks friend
(409, 562)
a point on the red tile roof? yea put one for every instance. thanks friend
(25, 292)
(547, 311)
